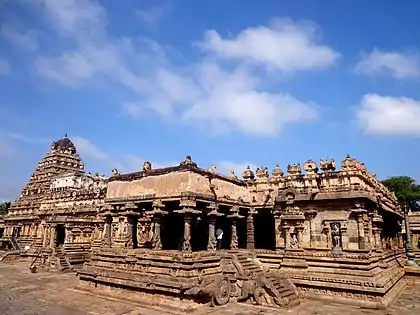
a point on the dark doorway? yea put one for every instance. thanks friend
(241, 229)
(135, 228)
(1, 232)
(264, 230)
(61, 234)
(200, 233)
(172, 231)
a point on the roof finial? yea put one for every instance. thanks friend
(65, 136)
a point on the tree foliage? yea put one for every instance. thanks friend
(406, 189)
(4, 207)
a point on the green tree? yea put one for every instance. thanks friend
(4, 207)
(406, 189)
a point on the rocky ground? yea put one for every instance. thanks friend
(43, 293)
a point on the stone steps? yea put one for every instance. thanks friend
(284, 287)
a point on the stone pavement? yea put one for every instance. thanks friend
(23, 293)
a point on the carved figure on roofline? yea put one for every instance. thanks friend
(277, 172)
(327, 165)
(294, 169)
(248, 174)
(212, 169)
(262, 173)
(232, 175)
(351, 164)
(310, 167)
(147, 166)
(115, 172)
(188, 161)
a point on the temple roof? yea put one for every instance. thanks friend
(64, 144)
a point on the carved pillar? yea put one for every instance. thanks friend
(377, 229)
(361, 231)
(107, 232)
(45, 236)
(311, 216)
(234, 216)
(186, 244)
(212, 215)
(156, 241)
(250, 239)
(277, 226)
(408, 244)
(157, 213)
(286, 229)
(188, 212)
(299, 230)
(69, 235)
(53, 236)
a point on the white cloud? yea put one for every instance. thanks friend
(397, 64)
(18, 136)
(69, 69)
(27, 40)
(84, 17)
(4, 66)
(284, 45)
(386, 115)
(232, 99)
(89, 150)
(151, 16)
(224, 167)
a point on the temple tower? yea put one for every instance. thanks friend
(61, 159)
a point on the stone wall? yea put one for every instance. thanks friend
(172, 184)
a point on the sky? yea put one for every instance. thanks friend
(231, 83)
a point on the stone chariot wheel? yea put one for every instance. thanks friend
(222, 292)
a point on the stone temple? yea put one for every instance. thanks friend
(314, 232)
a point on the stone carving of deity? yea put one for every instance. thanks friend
(294, 243)
(335, 233)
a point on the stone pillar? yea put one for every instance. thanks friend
(53, 236)
(277, 227)
(311, 216)
(129, 231)
(377, 223)
(69, 235)
(212, 215)
(250, 239)
(186, 244)
(212, 242)
(156, 240)
(157, 213)
(299, 230)
(45, 236)
(107, 233)
(408, 244)
(361, 231)
(234, 216)
(286, 229)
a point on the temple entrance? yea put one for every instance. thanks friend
(172, 231)
(264, 230)
(61, 234)
(1, 232)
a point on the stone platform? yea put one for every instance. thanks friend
(45, 293)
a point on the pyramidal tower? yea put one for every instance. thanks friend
(61, 159)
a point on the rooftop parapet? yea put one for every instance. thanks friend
(325, 178)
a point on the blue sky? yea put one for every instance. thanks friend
(230, 83)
